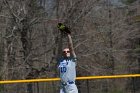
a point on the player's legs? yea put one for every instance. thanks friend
(61, 90)
(71, 88)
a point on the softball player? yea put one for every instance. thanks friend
(67, 69)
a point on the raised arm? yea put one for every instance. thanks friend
(71, 46)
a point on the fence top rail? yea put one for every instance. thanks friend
(78, 78)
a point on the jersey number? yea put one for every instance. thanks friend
(63, 69)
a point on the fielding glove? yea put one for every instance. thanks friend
(63, 28)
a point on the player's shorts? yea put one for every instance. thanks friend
(69, 88)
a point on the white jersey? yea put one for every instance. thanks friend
(67, 69)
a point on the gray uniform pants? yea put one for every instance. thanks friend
(69, 88)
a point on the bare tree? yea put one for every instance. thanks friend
(106, 40)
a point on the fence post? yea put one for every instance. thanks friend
(88, 86)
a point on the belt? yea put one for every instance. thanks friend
(71, 82)
(68, 82)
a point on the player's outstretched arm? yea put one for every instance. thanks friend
(71, 46)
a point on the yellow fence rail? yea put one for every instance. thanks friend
(78, 78)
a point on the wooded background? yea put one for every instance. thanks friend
(105, 33)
